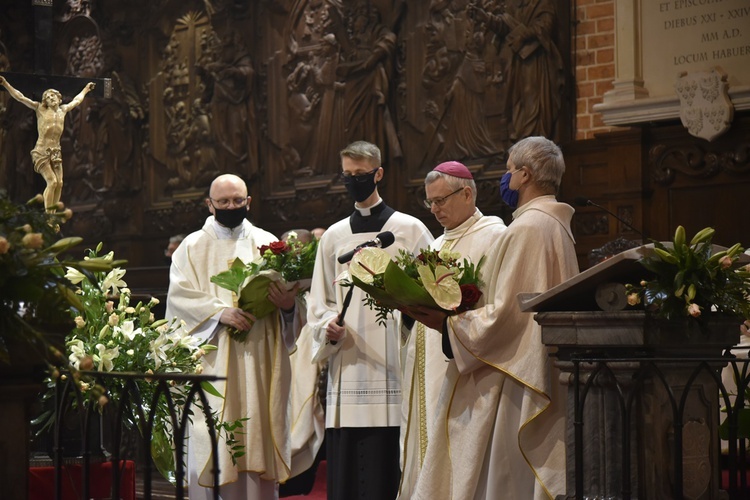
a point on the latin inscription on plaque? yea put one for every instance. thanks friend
(694, 35)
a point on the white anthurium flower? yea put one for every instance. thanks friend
(368, 262)
(157, 348)
(104, 361)
(74, 275)
(77, 352)
(441, 286)
(114, 281)
(128, 330)
(447, 255)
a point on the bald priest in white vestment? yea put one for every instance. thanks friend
(257, 371)
(499, 428)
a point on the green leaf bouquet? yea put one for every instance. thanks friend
(288, 261)
(436, 279)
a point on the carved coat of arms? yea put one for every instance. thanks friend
(705, 108)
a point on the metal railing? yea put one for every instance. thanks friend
(129, 407)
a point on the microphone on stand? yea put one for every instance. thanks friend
(383, 240)
(584, 202)
(347, 301)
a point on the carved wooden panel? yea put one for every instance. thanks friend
(272, 90)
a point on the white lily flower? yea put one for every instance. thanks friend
(105, 358)
(77, 352)
(74, 275)
(181, 338)
(114, 281)
(128, 330)
(157, 348)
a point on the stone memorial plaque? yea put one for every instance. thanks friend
(694, 35)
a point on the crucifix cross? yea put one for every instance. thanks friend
(43, 93)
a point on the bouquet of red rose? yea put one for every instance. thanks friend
(290, 262)
(437, 279)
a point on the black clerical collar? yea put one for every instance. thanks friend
(371, 219)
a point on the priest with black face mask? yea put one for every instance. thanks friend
(257, 371)
(363, 400)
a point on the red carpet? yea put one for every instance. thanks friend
(319, 489)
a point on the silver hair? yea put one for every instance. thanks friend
(452, 182)
(362, 150)
(543, 158)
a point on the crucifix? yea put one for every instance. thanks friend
(44, 92)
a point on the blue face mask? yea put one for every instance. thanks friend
(509, 196)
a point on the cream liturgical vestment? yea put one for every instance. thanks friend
(257, 371)
(424, 362)
(499, 430)
(307, 415)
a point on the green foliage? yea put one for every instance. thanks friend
(288, 261)
(402, 285)
(112, 335)
(33, 291)
(689, 278)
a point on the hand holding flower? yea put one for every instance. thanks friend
(236, 318)
(281, 297)
(428, 316)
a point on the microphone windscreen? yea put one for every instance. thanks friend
(386, 239)
(581, 201)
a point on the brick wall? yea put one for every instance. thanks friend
(595, 62)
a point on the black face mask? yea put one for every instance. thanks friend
(230, 217)
(360, 187)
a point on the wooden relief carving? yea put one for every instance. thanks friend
(490, 74)
(272, 90)
(695, 161)
(332, 86)
(590, 224)
(202, 108)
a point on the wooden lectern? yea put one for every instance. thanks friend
(643, 406)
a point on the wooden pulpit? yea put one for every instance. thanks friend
(643, 405)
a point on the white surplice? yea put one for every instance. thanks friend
(364, 373)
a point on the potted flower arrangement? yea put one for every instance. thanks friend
(692, 278)
(34, 302)
(112, 334)
(290, 261)
(694, 286)
(437, 279)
